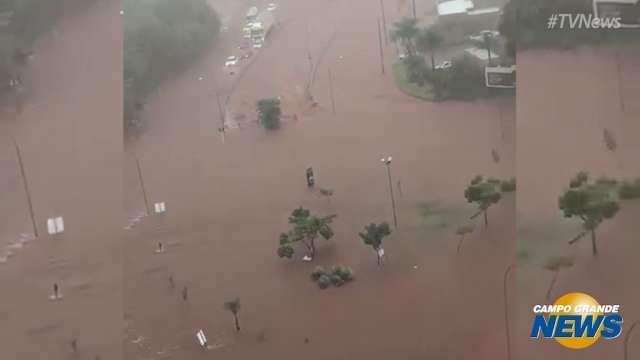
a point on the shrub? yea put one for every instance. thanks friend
(336, 280)
(317, 272)
(345, 273)
(324, 281)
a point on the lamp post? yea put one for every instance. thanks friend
(387, 163)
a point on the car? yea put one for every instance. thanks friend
(402, 56)
(272, 7)
(443, 65)
(480, 36)
(257, 45)
(231, 61)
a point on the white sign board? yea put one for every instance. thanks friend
(202, 340)
(55, 225)
(500, 76)
(160, 207)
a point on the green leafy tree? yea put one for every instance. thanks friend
(591, 202)
(429, 41)
(373, 235)
(555, 265)
(161, 38)
(462, 231)
(307, 229)
(465, 79)
(484, 193)
(233, 306)
(405, 31)
(269, 113)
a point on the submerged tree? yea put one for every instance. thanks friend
(483, 192)
(269, 113)
(373, 235)
(306, 229)
(462, 231)
(592, 203)
(233, 306)
(555, 265)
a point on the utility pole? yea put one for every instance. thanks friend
(333, 101)
(384, 22)
(144, 190)
(380, 45)
(387, 162)
(414, 10)
(26, 189)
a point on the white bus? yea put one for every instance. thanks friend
(252, 14)
(627, 10)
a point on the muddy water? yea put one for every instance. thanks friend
(69, 136)
(228, 201)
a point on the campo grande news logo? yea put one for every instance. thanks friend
(576, 321)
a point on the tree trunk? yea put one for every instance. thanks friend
(237, 322)
(489, 55)
(433, 62)
(593, 242)
(313, 249)
(378, 255)
(553, 282)
(486, 221)
(460, 244)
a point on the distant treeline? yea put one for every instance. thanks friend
(22, 22)
(525, 25)
(161, 37)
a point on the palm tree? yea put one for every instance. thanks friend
(233, 307)
(488, 43)
(429, 41)
(405, 30)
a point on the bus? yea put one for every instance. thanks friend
(252, 14)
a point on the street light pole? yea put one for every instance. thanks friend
(506, 309)
(26, 189)
(387, 162)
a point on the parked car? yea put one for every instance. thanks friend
(443, 65)
(272, 7)
(480, 36)
(231, 61)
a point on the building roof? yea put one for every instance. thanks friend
(451, 7)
